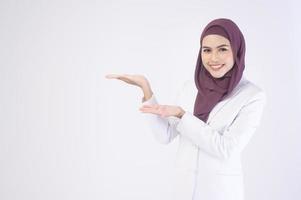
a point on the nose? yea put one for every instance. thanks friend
(214, 56)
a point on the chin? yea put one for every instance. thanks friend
(217, 75)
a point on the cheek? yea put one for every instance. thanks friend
(229, 58)
(203, 59)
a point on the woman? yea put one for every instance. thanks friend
(214, 119)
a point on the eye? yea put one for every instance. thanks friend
(223, 49)
(206, 50)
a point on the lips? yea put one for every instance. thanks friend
(216, 67)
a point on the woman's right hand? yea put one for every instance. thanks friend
(137, 80)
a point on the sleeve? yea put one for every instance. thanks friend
(164, 129)
(233, 139)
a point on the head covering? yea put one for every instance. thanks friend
(213, 90)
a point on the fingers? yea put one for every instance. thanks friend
(119, 77)
(116, 76)
(150, 110)
(125, 77)
(147, 108)
(155, 106)
(153, 109)
(111, 76)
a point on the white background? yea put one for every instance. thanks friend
(66, 132)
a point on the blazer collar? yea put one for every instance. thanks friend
(218, 107)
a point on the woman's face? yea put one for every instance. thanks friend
(217, 56)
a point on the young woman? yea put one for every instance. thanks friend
(215, 117)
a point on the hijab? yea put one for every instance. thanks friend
(213, 90)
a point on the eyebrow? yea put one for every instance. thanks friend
(217, 46)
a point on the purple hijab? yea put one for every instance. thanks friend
(213, 90)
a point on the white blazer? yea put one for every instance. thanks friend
(208, 161)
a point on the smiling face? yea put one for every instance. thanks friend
(217, 56)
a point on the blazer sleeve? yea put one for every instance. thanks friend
(163, 129)
(233, 139)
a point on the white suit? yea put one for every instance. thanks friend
(208, 163)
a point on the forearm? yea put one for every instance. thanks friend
(147, 91)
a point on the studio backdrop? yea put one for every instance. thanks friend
(67, 132)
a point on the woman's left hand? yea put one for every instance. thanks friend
(163, 110)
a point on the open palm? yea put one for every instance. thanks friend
(137, 80)
(163, 110)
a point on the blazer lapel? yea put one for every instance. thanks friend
(218, 107)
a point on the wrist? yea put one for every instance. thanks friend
(144, 85)
(147, 92)
(181, 112)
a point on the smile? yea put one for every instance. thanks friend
(216, 67)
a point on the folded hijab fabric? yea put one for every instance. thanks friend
(213, 90)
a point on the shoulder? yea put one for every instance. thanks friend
(251, 90)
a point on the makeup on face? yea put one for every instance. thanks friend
(217, 56)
